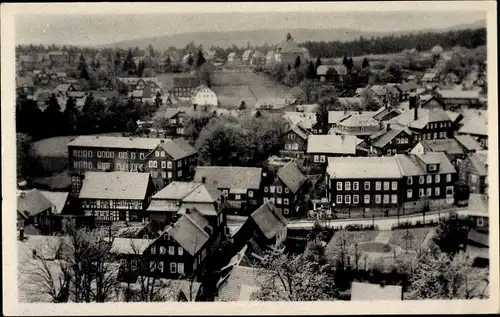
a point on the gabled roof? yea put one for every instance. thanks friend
(468, 142)
(241, 283)
(291, 176)
(379, 90)
(176, 190)
(204, 193)
(429, 76)
(477, 125)
(360, 120)
(363, 167)
(383, 111)
(479, 162)
(32, 202)
(366, 291)
(459, 94)
(323, 69)
(58, 199)
(408, 86)
(190, 235)
(269, 220)
(449, 146)
(176, 148)
(130, 246)
(424, 117)
(413, 164)
(306, 119)
(332, 144)
(299, 131)
(230, 177)
(115, 142)
(388, 136)
(115, 185)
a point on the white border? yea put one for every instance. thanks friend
(9, 244)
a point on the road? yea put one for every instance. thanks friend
(234, 222)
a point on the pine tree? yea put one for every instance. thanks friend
(350, 63)
(365, 63)
(297, 62)
(190, 60)
(345, 61)
(82, 63)
(318, 62)
(200, 60)
(311, 71)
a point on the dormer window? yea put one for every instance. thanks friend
(432, 167)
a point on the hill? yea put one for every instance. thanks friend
(269, 36)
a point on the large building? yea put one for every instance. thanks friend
(107, 154)
(289, 51)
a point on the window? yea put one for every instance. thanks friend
(157, 153)
(163, 250)
(160, 266)
(421, 180)
(179, 163)
(339, 199)
(169, 175)
(279, 189)
(75, 153)
(250, 194)
(225, 192)
(429, 192)
(285, 201)
(287, 190)
(347, 185)
(153, 250)
(171, 250)
(378, 199)
(180, 250)
(291, 136)
(180, 268)
(266, 189)
(339, 185)
(480, 222)
(389, 152)
(378, 186)
(432, 167)
(429, 179)
(169, 164)
(179, 173)
(367, 199)
(421, 192)
(152, 265)
(394, 199)
(347, 199)
(173, 267)
(132, 155)
(448, 178)
(473, 178)
(272, 189)
(134, 265)
(237, 197)
(355, 185)
(162, 153)
(409, 193)
(437, 191)
(316, 158)
(386, 199)
(163, 164)
(163, 174)
(367, 185)
(355, 199)
(386, 185)
(322, 159)
(394, 185)
(286, 211)
(278, 201)
(141, 156)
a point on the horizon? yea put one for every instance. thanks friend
(105, 29)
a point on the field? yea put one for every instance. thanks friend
(232, 87)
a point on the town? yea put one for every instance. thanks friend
(293, 171)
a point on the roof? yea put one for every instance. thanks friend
(166, 289)
(231, 177)
(367, 291)
(360, 120)
(478, 237)
(115, 185)
(459, 94)
(24, 81)
(478, 205)
(468, 142)
(269, 220)
(186, 81)
(424, 116)
(274, 103)
(240, 284)
(32, 202)
(130, 245)
(176, 190)
(363, 167)
(429, 76)
(477, 125)
(177, 148)
(408, 86)
(58, 199)
(449, 146)
(388, 136)
(413, 164)
(299, 130)
(347, 101)
(379, 90)
(247, 53)
(291, 176)
(62, 87)
(322, 69)
(306, 119)
(204, 193)
(479, 162)
(188, 234)
(115, 142)
(332, 144)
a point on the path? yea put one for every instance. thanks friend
(383, 237)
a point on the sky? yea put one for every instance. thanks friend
(98, 28)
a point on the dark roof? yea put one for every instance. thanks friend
(388, 136)
(231, 177)
(291, 176)
(31, 203)
(269, 220)
(383, 111)
(478, 237)
(186, 82)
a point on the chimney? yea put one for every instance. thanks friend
(414, 105)
(187, 211)
(388, 127)
(203, 180)
(162, 141)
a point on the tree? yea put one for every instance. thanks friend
(23, 146)
(439, 275)
(190, 60)
(158, 101)
(243, 105)
(311, 71)
(350, 64)
(140, 68)
(293, 278)
(200, 60)
(151, 50)
(365, 63)
(71, 115)
(451, 234)
(345, 61)
(297, 62)
(318, 62)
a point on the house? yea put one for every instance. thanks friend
(232, 57)
(42, 78)
(468, 143)
(386, 113)
(266, 226)
(116, 196)
(476, 126)
(258, 59)
(428, 181)
(61, 201)
(425, 124)
(247, 55)
(321, 147)
(306, 120)
(390, 141)
(449, 79)
(322, 72)
(372, 292)
(359, 125)
(62, 90)
(183, 86)
(335, 116)
(173, 122)
(455, 150)
(203, 96)
(478, 236)
(474, 171)
(284, 187)
(171, 160)
(143, 230)
(167, 289)
(241, 186)
(58, 58)
(105, 153)
(407, 88)
(432, 102)
(33, 208)
(25, 86)
(453, 97)
(270, 57)
(288, 51)
(275, 104)
(295, 141)
(26, 62)
(430, 78)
